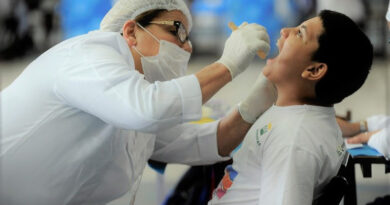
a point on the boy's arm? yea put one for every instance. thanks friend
(288, 176)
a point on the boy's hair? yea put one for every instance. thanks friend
(348, 53)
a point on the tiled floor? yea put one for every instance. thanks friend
(372, 98)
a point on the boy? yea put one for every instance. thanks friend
(295, 148)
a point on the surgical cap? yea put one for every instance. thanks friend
(124, 10)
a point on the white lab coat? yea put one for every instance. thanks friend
(79, 124)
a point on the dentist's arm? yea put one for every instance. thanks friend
(231, 131)
(240, 49)
(210, 142)
(233, 128)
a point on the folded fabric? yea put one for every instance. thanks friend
(365, 150)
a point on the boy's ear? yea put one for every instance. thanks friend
(315, 71)
(129, 32)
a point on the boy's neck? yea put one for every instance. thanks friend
(293, 97)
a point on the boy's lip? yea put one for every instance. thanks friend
(269, 60)
(279, 44)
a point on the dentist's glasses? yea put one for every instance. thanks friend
(180, 32)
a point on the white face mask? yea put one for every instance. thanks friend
(170, 62)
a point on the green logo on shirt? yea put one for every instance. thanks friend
(341, 149)
(260, 132)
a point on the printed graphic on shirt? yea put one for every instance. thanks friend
(226, 182)
(262, 131)
(341, 149)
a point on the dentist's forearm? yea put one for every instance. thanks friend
(231, 131)
(211, 79)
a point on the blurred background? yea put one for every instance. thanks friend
(29, 27)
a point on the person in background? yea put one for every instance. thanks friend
(81, 121)
(375, 131)
(388, 16)
(357, 10)
(27, 26)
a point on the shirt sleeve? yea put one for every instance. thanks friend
(288, 176)
(192, 144)
(377, 122)
(105, 85)
(381, 142)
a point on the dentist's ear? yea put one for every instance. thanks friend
(315, 71)
(129, 32)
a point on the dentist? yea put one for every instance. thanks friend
(81, 121)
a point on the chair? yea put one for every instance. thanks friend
(338, 185)
(334, 190)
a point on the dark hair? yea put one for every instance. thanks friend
(347, 52)
(146, 17)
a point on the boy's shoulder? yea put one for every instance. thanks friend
(302, 126)
(288, 117)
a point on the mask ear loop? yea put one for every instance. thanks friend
(136, 50)
(146, 30)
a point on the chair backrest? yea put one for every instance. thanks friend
(335, 190)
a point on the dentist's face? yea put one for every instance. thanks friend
(136, 36)
(296, 47)
(147, 45)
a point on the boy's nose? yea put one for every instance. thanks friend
(284, 32)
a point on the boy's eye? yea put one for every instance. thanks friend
(299, 34)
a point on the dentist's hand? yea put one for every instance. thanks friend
(362, 137)
(260, 98)
(242, 46)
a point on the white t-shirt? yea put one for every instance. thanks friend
(287, 157)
